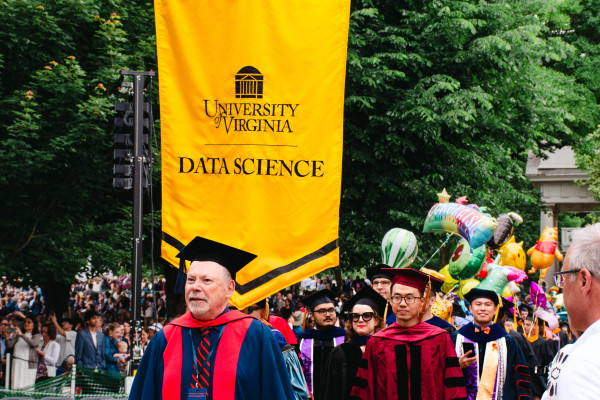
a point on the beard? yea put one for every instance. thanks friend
(198, 308)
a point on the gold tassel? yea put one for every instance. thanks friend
(266, 312)
(384, 316)
(498, 308)
(426, 297)
(304, 319)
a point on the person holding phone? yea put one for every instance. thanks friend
(493, 364)
(24, 344)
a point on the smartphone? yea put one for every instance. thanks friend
(469, 346)
(11, 330)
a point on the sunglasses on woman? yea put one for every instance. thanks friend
(355, 317)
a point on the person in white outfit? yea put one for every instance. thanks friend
(24, 344)
(574, 372)
(48, 351)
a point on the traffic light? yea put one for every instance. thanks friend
(123, 151)
(124, 145)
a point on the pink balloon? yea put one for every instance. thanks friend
(537, 295)
(515, 274)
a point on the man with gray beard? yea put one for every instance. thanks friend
(212, 352)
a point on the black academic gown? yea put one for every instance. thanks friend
(340, 370)
(517, 376)
(544, 350)
(538, 383)
(314, 348)
(440, 323)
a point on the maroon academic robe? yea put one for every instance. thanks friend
(416, 363)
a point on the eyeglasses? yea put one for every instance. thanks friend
(559, 277)
(365, 316)
(5, 324)
(324, 311)
(409, 299)
(251, 309)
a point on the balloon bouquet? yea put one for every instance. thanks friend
(487, 255)
(471, 264)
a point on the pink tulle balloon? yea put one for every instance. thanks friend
(537, 295)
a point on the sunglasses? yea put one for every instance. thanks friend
(355, 317)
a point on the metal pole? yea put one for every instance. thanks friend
(73, 376)
(138, 201)
(8, 370)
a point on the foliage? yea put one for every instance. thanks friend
(451, 94)
(585, 67)
(438, 94)
(577, 220)
(59, 72)
(588, 159)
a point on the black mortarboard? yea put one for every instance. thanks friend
(262, 303)
(318, 298)
(375, 272)
(475, 293)
(367, 296)
(507, 305)
(524, 307)
(202, 249)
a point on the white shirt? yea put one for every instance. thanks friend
(51, 351)
(305, 284)
(554, 371)
(94, 338)
(580, 371)
(67, 345)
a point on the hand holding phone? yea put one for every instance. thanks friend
(468, 357)
(468, 346)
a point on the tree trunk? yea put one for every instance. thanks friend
(337, 272)
(56, 297)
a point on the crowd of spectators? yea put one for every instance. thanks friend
(94, 332)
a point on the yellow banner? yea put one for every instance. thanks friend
(251, 98)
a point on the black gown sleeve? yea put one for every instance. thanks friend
(334, 383)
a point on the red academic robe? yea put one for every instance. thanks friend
(282, 326)
(416, 363)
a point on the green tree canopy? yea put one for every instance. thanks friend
(59, 73)
(451, 94)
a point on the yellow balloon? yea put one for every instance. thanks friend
(512, 254)
(442, 308)
(449, 282)
(444, 271)
(466, 286)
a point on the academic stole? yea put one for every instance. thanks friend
(494, 367)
